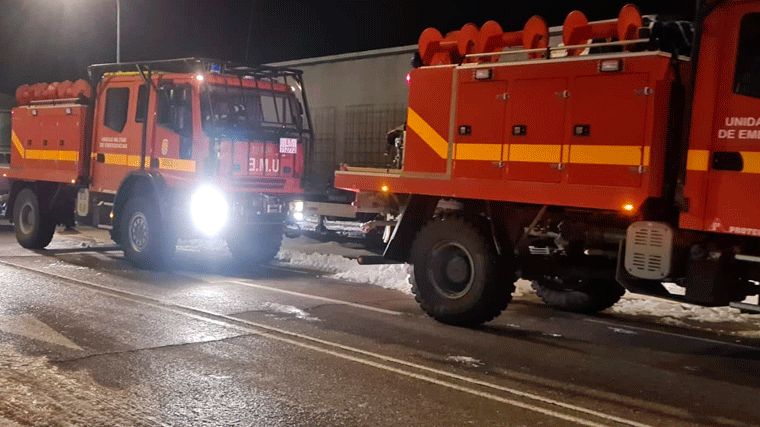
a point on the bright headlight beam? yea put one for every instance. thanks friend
(209, 210)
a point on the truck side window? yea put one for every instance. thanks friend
(117, 102)
(175, 112)
(747, 79)
(142, 104)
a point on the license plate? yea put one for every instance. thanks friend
(288, 145)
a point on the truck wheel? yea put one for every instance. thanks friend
(579, 296)
(258, 247)
(34, 229)
(457, 277)
(142, 239)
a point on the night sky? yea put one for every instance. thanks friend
(50, 40)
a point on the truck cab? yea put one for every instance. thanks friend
(165, 149)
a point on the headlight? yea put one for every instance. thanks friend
(296, 208)
(209, 210)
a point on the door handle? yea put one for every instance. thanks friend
(727, 161)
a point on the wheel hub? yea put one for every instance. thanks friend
(451, 269)
(138, 232)
(27, 220)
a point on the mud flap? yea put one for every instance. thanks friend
(710, 282)
(418, 210)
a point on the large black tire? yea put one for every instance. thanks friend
(34, 228)
(145, 242)
(458, 278)
(258, 247)
(590, 296)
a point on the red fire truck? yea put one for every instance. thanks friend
(167, 149)
(624, 158)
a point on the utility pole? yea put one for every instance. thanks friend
(118, 31)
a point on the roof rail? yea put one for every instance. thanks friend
(194, 65)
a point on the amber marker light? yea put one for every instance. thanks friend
(628, 207)
(384, 188)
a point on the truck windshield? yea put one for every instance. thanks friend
(230, 109)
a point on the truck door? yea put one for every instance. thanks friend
(480, 128)
(733, 169)
(173, 137)
(117, 141)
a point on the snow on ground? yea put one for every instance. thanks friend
(337, 259)
(305, 245)
(717, 319)
(34, 393)
(333, 258)
(349, 228)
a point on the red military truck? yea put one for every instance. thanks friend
(625, 158)
(167, 149)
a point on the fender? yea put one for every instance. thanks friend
(143, 182)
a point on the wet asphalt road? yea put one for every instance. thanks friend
(86, 339)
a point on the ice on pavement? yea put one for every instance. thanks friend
(465, 360)
(289, 309)
(334, 258)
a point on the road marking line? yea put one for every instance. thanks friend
(293, 270)
(261, 330)
(673, 334)
(318, 298)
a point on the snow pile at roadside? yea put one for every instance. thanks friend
(391, 276)
(687, 315)
(523, 288)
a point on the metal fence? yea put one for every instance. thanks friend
(366, 129)
(322, 163)
(5, 136)
(355, 135)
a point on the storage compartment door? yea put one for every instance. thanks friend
(479, 136)
(535, 130)
(608, 129)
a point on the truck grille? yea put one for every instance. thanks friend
(267, 183)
